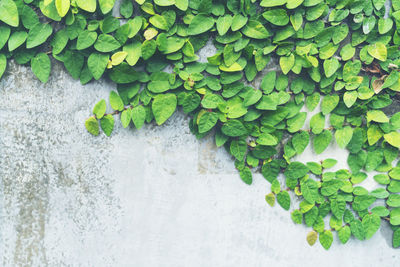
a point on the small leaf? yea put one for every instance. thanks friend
(287, 63)
(3, 64)
(163, 107)
(97, 64)
(200, 23)
(62, 7)
(125, 118)
(107, 124)
(99, 109)
(393, 138)
(343, 136)
(283, 199)
(322, 141)
(138, 115)
(312, 238)
(116, 101)
(41, 67)
(92, 126)
(326, 239)
(378, 50)
(270, 198)
(344, 234)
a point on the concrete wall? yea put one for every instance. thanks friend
(154, 197)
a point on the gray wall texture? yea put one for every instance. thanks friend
(154, 197)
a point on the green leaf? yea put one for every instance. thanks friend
(246, 175)
(283, 199)
(97, 64)
(4, 35)
(357, 229)
(377, 116)
(125, 118)
(163, 107)
(238, 22)
(138, 115)
(374, 133)
(59, 42)
(106, 43)
(396, 238)
(134, 51)
(16, 40)
(277, 16)
(349, 98)
(300, 141)
(326, 239)
(223, 24)
(158, 86)
(207, 121)
(254, 29)
(272, 3)
(3, 64)
(107, 124)
(116, 101)
(86, 39)
(92, 126)
(99, 109)
(297, 216)
(378, 50)
(312, 236)
(344, 234)
(317, 123)
(41, 67)
(233, 128)
(331, 66)
(287, 63)
(322, 141)
(62, 7)
(343, 136)
(338, 207)
(329, 103)
(296, 170)
(106, 5)
(297, 122)
(330, 187)
(38, 35)
(363, 202)
(164, 2)
(9, 13)
(87, 5)
(123, 73)
(309, 189)
(182, 4)
(371, 224)
(200, 23)
(395, 216)
(328, 163)
(267, 139)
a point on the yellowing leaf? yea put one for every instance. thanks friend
(62, 7)
(312, 238)
(118, 57)
(378, 51)
(393, 138)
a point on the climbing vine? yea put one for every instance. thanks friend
(339, 66)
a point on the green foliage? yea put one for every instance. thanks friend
(341, 56)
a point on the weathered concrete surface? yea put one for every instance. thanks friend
(154, 197)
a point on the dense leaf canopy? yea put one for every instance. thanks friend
(337, 80)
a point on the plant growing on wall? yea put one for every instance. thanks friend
(341, 55)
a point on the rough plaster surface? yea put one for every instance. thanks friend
(154, 197)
